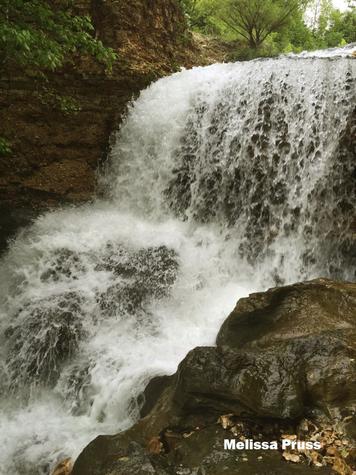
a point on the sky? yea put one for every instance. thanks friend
(340, 4)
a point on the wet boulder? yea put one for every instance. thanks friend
(138, 276)
(63, 264)
(196, 452)
(45, 333)
(279, 354)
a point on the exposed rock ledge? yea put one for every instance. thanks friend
(285, 363)
(55, 156)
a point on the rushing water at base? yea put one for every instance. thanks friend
(223, 180)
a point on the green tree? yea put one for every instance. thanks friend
(319, 12)
(42, 36)
(341, 28)
(297, 37)
(255, 20)
(330, 26)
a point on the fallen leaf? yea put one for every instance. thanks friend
(155, 445)
(226, 421)
(341, 467)
(316, 458)
(304, 426)
(291, 457)
(64, 468)
(289, 437)
(329, 460)
(331, 451)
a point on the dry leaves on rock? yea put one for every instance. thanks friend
(64, 468)
(335, 451)
(226, 421)
(341, 467)
(291, 457)
(155, 446)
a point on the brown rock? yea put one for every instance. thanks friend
(54, 155)
(268, 345)
(296, 343)
(332, 451)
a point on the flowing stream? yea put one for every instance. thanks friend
(223, 180)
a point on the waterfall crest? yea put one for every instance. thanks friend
(223, 180)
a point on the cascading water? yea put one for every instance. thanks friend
(223, 180)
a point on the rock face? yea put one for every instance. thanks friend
(280, 356)
(55, 155)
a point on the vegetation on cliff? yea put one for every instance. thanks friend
(267, 28)
(38, 37)
(41, 36)
(57, 123)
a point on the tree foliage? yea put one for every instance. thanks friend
(200, 14)
(255, 20)
(341, 28)
(40, 35)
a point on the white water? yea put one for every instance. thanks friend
(223, 180)
(344, 52)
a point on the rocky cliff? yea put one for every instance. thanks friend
(55, 155)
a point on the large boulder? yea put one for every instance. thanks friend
(281, 355)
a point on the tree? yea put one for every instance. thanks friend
(297, 37)
(42, 36)
(320, 11)
(331, 27)
(342, 28)
(255, 20)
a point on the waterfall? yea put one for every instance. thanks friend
(222, 180)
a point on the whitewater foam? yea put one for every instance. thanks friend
(223, 180)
